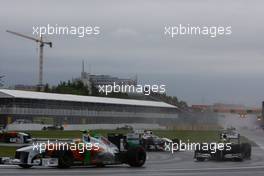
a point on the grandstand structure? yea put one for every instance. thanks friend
(73, 109)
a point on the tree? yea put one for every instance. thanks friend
(1, 80)
(94, 90)
(47, 88)
(79, 88)
(69, 87)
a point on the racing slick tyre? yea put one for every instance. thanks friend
(246, 149)
(136, 156)
(218, 155)
(23, 156)
(100, 165)
(25, 166)
(65, 159)
(177, 141)
(237, 149)
(7, 140)
(200, 159)
(197, 158)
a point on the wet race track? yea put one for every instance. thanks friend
(165, 163)
(158, 163)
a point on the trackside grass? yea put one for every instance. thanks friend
(184, 135)
(192, 136)
(7, 151)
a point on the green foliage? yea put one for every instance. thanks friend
(79, 88)
(76, 88)
(7, 151)
(1, 81)
(185, 135)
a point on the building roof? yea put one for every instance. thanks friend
(6, 93)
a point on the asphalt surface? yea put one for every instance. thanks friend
(164, 163)
(158, 163)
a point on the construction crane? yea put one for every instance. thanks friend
(41, 47)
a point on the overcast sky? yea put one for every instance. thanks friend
(200, 70)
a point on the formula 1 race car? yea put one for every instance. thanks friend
(235, 151)
(91, 150)
(14, 137)
(152, 142)
(53, 128)
(146, 139)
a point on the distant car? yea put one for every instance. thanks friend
(149, 141)
(55, 127)
(152, 142)
(135, 139)
(15, 137)
(22, 121)
(126, 127)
